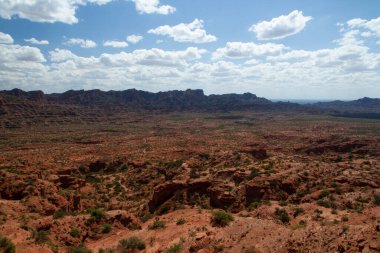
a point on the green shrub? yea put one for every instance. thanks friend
(181, 221)
(131, 244)
(221, 218)
(163, 210)
(79, 249)
(175, 248)
(7, 245)
(59, 214)
(97, 214)
(106, 228)
(282, 215)
(146, 217)
(345, 218)
(134, 226)
(74, 232)
(157, 224)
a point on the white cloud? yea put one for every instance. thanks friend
(81, 42)
(37, 42)
(281, 27)
(5, 38)
(59, 55)
(45, 11)
(372, 25)
(17, 53)
(348, 70)
(153, 6)
(192, 32)
(116, 44)
(134, 38)
(236, 50)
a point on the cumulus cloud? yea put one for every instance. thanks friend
(192, 32)
(134, 38)
(45, 11)
(372, 25)
(81, 42)
(236, 50)
(5, 38)
(116, 44)
(37, 42)
(17, 53)
(153, 6)
(59, 55)
(280, 27)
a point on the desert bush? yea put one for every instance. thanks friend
(298, 211)
(96, 215)
(345, 218)
(163, 210)
(181, 221)
(282, 215)
(6, 245)
(157, 224)
(251, 250)
(134, 226)
(59, 214)
(175, 248)
(79, 249)
(324, 193)
(221, 218)
(106, 228)
(254, 205)
(131, 244)
(146, 217)
(74, 232)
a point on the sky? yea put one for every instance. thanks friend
(278, 49)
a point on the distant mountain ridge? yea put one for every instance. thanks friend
(177, 100)
(135, 99)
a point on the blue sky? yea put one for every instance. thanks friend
(276, 49)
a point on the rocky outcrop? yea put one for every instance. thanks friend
(164, 192)
(256, 152)
(66, 181)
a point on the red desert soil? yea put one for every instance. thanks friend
(291, 183)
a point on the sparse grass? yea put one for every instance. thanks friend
(131, 244)
(221, 218)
